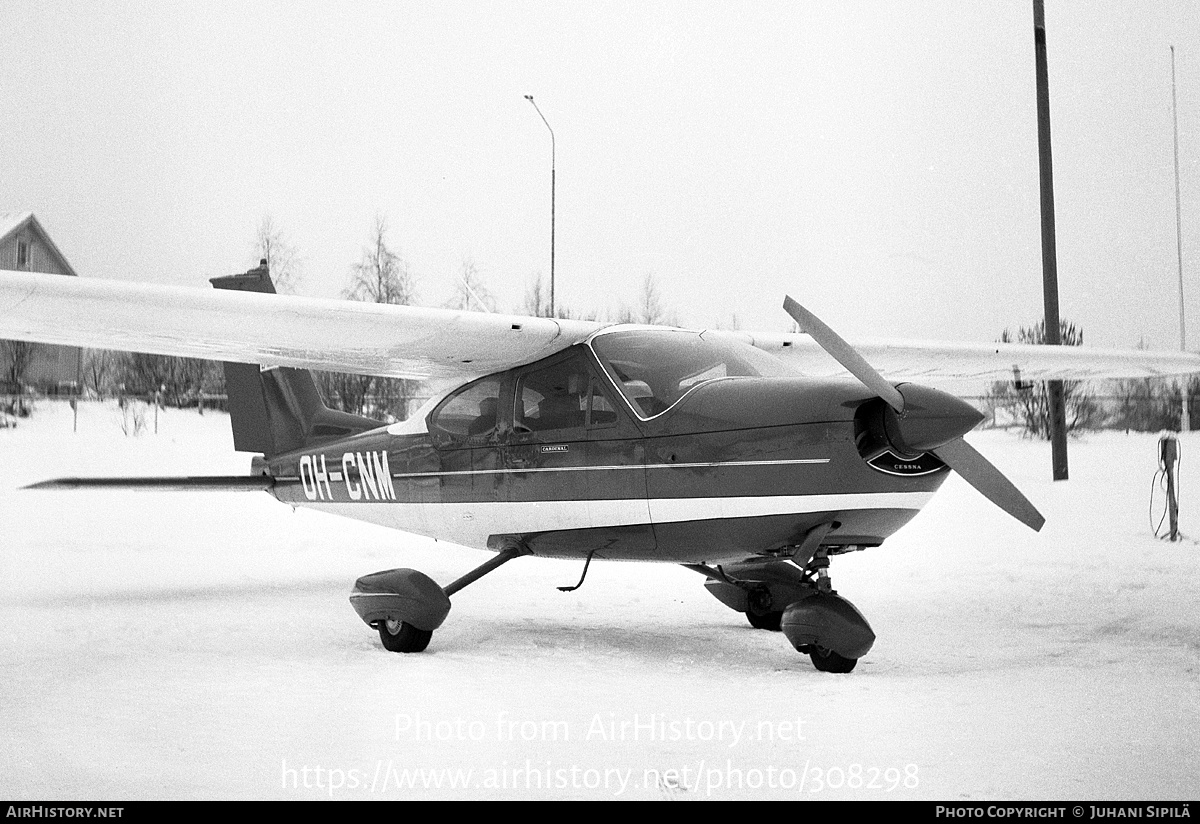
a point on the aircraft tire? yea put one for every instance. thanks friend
(398, 636)
(826, 660)
(768, 620)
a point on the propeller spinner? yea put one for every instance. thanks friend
(917, 419)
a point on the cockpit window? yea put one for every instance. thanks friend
(654, 368)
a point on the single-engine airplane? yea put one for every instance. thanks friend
(720, 451)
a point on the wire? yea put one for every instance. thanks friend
(1157, 481)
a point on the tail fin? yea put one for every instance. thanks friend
(278, 409)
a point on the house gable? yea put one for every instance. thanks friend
(25, 246)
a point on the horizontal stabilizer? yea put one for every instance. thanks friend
(213, 483)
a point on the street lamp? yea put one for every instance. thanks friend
(529, 97)
(1185, 423)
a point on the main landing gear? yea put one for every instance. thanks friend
(800, 602)
(793, 596)
(406, 606)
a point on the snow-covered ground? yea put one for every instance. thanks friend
(202, 646)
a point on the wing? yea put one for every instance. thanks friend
(416, 342)
(936, 361)
(274, 330)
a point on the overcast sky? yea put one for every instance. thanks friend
(877, 160)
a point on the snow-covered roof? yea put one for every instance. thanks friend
(12, 221)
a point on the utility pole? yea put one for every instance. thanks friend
(1058, 412)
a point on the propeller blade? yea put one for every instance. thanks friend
(979, 472)
(919, 432)
(844, 354)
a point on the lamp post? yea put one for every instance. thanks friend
(529, 97)
(1185, 423)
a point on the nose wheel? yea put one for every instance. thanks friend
(826, 660)
(816, 621)
(766, 620)
(760, 615)
(398, 636)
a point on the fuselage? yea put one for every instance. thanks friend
(630, 446)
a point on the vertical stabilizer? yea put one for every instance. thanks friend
(279, 409)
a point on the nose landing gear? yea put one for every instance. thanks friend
(800, 602)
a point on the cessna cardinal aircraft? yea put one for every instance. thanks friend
(720, 451)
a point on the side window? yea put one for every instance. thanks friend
(469, 417)
(554, 397)
(564, 395)
(600, 407)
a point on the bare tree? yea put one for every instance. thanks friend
(1145, 405)
(537, 299)
(649, 309)
(1030, 403)
(15, 358)
(100, 370)
(537, 303)
(282, 258)
(347, 392)
(180, 379)
(381, 276)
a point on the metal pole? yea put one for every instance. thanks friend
(1185, 422)
(529, 97)
(1168, 447)
(78, 389)
(1058, 414)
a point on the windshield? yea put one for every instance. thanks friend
(654, 368)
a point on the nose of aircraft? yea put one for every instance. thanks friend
(919, 419)
(930, 419)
